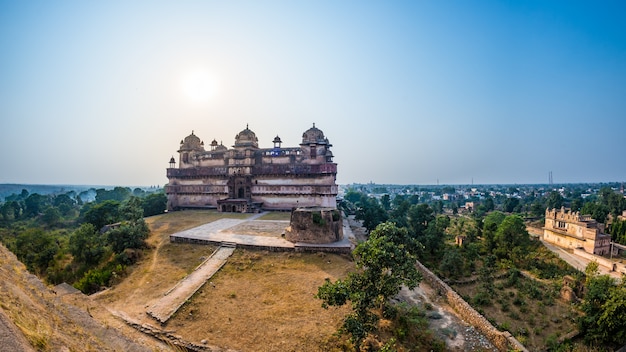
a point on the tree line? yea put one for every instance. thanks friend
(89, 244)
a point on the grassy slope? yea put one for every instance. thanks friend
(46, 321)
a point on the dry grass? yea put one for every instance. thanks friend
(47, 323)
(277, 215)
(259, 301)
(265, 302)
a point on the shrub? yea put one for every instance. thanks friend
(481, 299)
(93, 281)
(318, 219)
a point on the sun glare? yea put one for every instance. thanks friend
(199, 86)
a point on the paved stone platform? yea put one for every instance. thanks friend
(173, 299)
(217, 233)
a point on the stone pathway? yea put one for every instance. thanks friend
(184, 289)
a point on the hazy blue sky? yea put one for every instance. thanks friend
(102, 92)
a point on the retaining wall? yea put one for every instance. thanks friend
(296, 247)
(503, 341)
(609, 264)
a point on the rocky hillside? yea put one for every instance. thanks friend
(34, 317)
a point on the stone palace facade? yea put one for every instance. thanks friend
(247, 178)
(569, 229)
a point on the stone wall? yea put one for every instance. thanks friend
(609, 264)
(504, 341)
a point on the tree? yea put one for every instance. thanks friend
(612, 201)
(598, 211)
(399, 212)
(119, 194)
(418, 217)
(604, 305)
(107, 212)
(511, 205)
(154, 204)
(489, 205)
(435, 235)
(612, 320)
(386, 261)
(36, 249)
(511, 234)
(455, 208)
(64, 202)
(133, 230)
(438, 207)
(618, 231)
(462, 226)
(452, 264)
(35, 204)
(371, 212)
(87, 245)
(51, 216)
(11, 210)
(554, 200)
(132, 210)
(385, 202)
(352, 196)
(128, 235)
(490, 226)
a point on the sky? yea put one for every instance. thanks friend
(415, 92)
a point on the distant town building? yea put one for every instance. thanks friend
(247, 178)
(568, 229)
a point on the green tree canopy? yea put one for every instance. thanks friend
(154, 204)
(554, 200)
(604, 308)
(386, 261)
(36, 249)
(107, 212)
(511, 234)
(490, 225)
(87, 245)
(118, 194)
(371, 212)
(418, 217)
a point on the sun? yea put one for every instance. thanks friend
(199, 86)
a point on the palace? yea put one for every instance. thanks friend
(568, 229)
(247, 178)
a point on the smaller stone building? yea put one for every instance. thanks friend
(569, 229)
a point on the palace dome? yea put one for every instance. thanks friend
(191, 142)
(246, 138)
(221, 148)
(314, 136)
